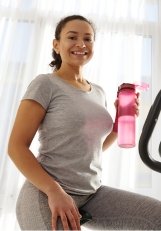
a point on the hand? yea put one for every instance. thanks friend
(136, 107)
(62, 205)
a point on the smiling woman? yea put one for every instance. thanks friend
(75, 47)
(73, 123)
(74, 127)
(76, 38)
(127, 48)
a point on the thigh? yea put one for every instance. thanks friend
(32, 209)
(118, 209)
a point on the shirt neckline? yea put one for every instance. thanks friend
(72, 86)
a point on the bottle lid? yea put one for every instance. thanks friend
(126, 85)
(133, 86)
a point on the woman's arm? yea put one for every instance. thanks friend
(110, 139)
(29, 117)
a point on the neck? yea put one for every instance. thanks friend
(71, 74)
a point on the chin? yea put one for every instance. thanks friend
(81, 63)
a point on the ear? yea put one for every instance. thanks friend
(56, 45)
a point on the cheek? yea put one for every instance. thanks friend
(91, 51)
(91, 47)
(63, 51)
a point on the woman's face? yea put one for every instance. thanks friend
(76, 43)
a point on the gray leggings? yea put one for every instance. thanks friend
(111, 209)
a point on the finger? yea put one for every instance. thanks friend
(77, 217)
(77, 210)
(137, 94)
(136, 111)
(116, 103)
(64, 221)
(137, 101)
(136, 106)
(73, 220)
(53, 222)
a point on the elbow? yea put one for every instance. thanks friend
(11, 148)
(14, 147)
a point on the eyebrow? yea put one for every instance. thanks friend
(74, 32)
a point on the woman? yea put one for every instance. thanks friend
(74, 127)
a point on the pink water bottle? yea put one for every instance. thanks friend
(126, 115)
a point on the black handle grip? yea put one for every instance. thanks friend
(147, 131)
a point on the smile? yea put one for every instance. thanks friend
(79, 52)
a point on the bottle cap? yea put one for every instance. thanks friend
(126, 85)
(139, 86)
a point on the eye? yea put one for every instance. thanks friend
(72, 37)
(88, 39)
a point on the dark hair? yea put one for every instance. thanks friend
(57, 59)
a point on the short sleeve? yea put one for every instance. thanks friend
(40, 90)
(102, 94)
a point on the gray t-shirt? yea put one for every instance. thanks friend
(72, 133)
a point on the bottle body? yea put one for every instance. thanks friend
(126, 116)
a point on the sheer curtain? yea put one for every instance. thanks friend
(127, 49)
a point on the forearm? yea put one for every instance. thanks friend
(32, 170)
(110, 139)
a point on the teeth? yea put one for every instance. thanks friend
(79, 53)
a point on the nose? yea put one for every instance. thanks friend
(80, 44)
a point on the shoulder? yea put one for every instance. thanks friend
(41, 89)
(42, 79)
(43, 83)
(99, 93)
(98, 88)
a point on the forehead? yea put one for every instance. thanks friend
(78, 26)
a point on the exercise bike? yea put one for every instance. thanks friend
(147, 131)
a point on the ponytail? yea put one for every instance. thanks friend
(57, 60)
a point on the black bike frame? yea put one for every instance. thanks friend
(147, 131)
